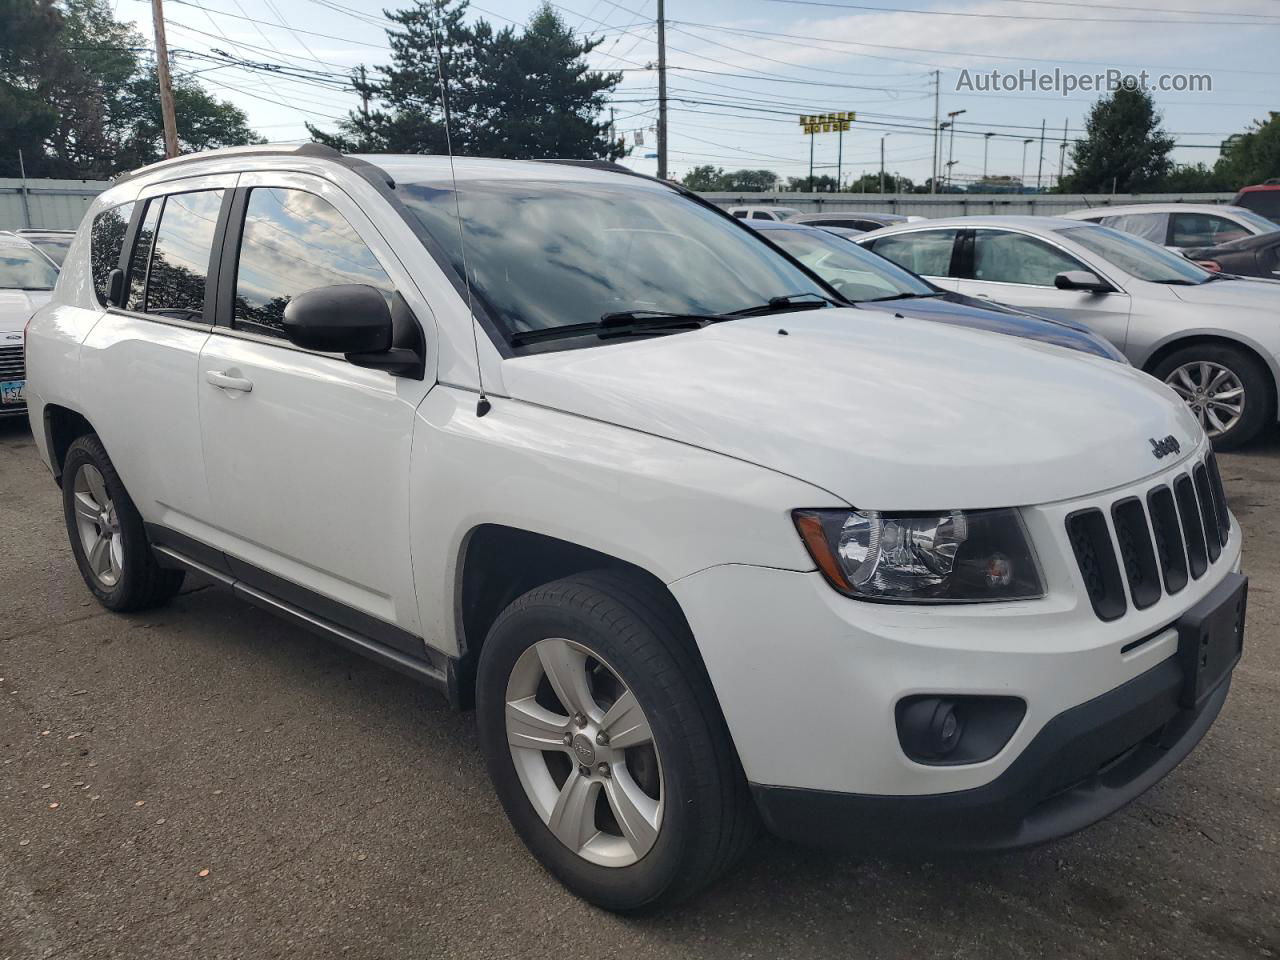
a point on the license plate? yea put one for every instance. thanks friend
(1211, 638)
(13, 391)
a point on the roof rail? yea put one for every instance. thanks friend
(264, 150)
(608, 165)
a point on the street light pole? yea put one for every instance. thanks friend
(882, 140)
(1022, 177)
(986, 142)
(662, 91)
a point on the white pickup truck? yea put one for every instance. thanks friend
(704, 546)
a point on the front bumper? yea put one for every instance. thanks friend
(1083, 765)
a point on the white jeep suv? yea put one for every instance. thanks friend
(704, 546)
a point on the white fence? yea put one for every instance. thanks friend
(59, 204)
(51, 204)
(938, 205)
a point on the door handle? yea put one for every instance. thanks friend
(220, 379)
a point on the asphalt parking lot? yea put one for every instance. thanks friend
(205, 781)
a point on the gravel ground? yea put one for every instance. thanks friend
(206, 781)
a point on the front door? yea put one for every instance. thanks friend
(307, 456)
(1018, 269)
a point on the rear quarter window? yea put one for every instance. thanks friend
(106, 238)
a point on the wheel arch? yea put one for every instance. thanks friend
(1163, 350)
(62, 426)
(498, 563)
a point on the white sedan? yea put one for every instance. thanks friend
(1180, 226)
(1212, 338)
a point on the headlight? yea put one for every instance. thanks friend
(953, 557)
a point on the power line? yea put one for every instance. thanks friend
(1015, 16)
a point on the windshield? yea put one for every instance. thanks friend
(22, 268)
(1137, 257)
(548, 254)
(1256, 220)
(856, 273)
(55, 248)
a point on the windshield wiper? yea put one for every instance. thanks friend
(623, 324)
(789, 301)
(901, 296)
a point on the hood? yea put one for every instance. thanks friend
(17, 306)
(964, 311)
(882, 412)
(1233, 292)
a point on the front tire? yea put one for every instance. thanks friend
(107, 536)
(1228, 389)
(605, 743)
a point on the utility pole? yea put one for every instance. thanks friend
(1062, 154)
(951, 149)
(166, 84)
(364, 94)
(1022, 177)
(662, 94)
(882, 139)
(986, 142)
(811, 139)
(937, 84)
(1040, 165)
(839, 155)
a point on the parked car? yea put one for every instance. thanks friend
(871, 281)
(52, 243)
(1214, 340)
(702, 547)
(1178, 226)
(855, 219)
(1250, 257)
(26, 281)
(1264, 199)
(762, 213)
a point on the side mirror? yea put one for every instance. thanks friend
(344, 318)
(115, 288)
(1081, 280)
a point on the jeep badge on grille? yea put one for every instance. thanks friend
(1162, 448)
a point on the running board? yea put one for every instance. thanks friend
(440, 675)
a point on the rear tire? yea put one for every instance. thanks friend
(107, 536)
(631, 642)
(1181, 370)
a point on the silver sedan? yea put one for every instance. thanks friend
(1214, 339)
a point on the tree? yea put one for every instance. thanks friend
(1252, 157)
(706, 179)
(203, 121)
(870, 183)
(518, 94)
(1195, 178)
(77, 100)
(822, 183)
(1124, 148)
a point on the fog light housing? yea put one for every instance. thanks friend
(949, 730)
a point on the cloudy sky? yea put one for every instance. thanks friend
(743, 71)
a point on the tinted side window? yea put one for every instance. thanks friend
(141, 259)
(1204, 230)
(294, 241)
(105, 240)
(1013, 258)
(926, 252)
(760, 215)
(180, 261)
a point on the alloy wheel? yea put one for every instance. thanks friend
(584, 752)
(1213, 392)
(98, 526)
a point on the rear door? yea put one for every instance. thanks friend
(139, 361)
(1019, 269)
(307, 455)
(930, 253)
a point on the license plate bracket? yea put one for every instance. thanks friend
(1211, 638)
